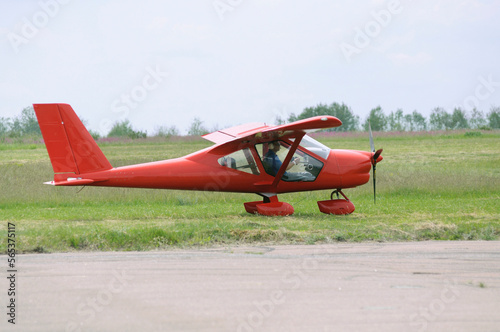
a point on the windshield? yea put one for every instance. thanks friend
(315, 147)
(302, 167)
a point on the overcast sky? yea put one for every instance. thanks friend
(229, 62)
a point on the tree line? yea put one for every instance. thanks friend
(439, 119)
(26, 124)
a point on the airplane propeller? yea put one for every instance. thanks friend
(375, 156)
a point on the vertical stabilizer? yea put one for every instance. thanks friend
(70, 146)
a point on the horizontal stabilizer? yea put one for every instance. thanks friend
(71, 182)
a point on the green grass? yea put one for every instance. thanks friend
(429, 187)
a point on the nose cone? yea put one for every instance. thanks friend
(354, 167)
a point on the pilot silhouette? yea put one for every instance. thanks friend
(272, 162)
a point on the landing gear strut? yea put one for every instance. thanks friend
(337, 192)
(336, 206)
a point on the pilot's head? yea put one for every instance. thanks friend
(275, 146)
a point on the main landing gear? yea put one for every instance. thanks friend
(271, 206)
(336, 206)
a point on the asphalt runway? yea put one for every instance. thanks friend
(423, 286)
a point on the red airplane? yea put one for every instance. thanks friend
(252, 158)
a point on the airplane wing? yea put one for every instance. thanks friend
(229, 134)
(262, 130)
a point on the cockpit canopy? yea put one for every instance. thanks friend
(308, 159)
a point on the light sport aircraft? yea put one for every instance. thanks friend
(251, 158)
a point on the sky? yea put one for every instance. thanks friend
(229, 62)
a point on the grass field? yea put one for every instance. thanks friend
(440, 186)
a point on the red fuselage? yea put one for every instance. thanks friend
(202, 171)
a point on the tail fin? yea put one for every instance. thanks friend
(71, 148)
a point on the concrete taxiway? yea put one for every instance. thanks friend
(422, 286)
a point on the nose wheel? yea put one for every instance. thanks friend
(336, 206)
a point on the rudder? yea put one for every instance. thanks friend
(70, 146)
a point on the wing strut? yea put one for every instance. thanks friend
(287, 160)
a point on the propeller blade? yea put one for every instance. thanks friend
(374, 162)
(372, 145)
